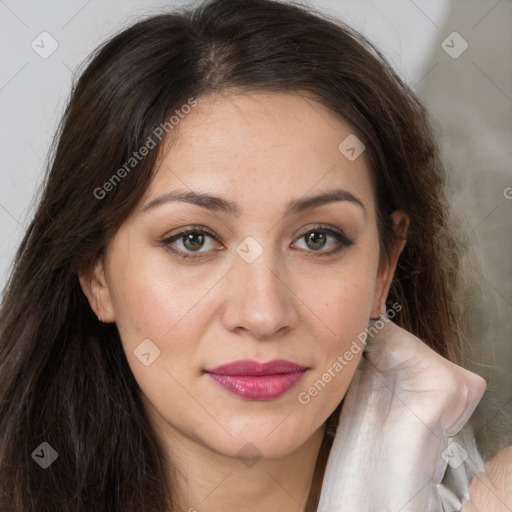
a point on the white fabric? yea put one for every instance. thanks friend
(465, 462)
(391, 452)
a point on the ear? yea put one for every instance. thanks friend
(387, 267)
(96, 289)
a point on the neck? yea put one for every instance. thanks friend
(205, 481)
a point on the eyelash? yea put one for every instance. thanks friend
(343, 241)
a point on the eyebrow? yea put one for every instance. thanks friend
(219, 204)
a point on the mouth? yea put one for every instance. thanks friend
(253, 380)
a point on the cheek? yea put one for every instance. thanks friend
(173, 313)
(342, 301)
(151, 302)
(345, 313)
(346, 305)
(340, 307)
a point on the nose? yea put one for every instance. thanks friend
(261, 302)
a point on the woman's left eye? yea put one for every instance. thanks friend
(323, 240)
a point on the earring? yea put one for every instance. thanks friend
(100, 319)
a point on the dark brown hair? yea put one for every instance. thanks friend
(64, 378)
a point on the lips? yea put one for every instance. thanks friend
(253, 380)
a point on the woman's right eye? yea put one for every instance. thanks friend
(190, 243)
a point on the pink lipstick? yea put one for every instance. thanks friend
(258, 381)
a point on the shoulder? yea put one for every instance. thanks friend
(492, 491)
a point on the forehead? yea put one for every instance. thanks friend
(279, 144)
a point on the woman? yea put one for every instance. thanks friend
(243, 199)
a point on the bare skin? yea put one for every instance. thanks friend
(492, 491)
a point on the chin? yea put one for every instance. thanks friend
(261, 439)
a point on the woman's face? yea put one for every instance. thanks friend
(280, 261)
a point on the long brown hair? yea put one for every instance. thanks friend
(64, 378)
